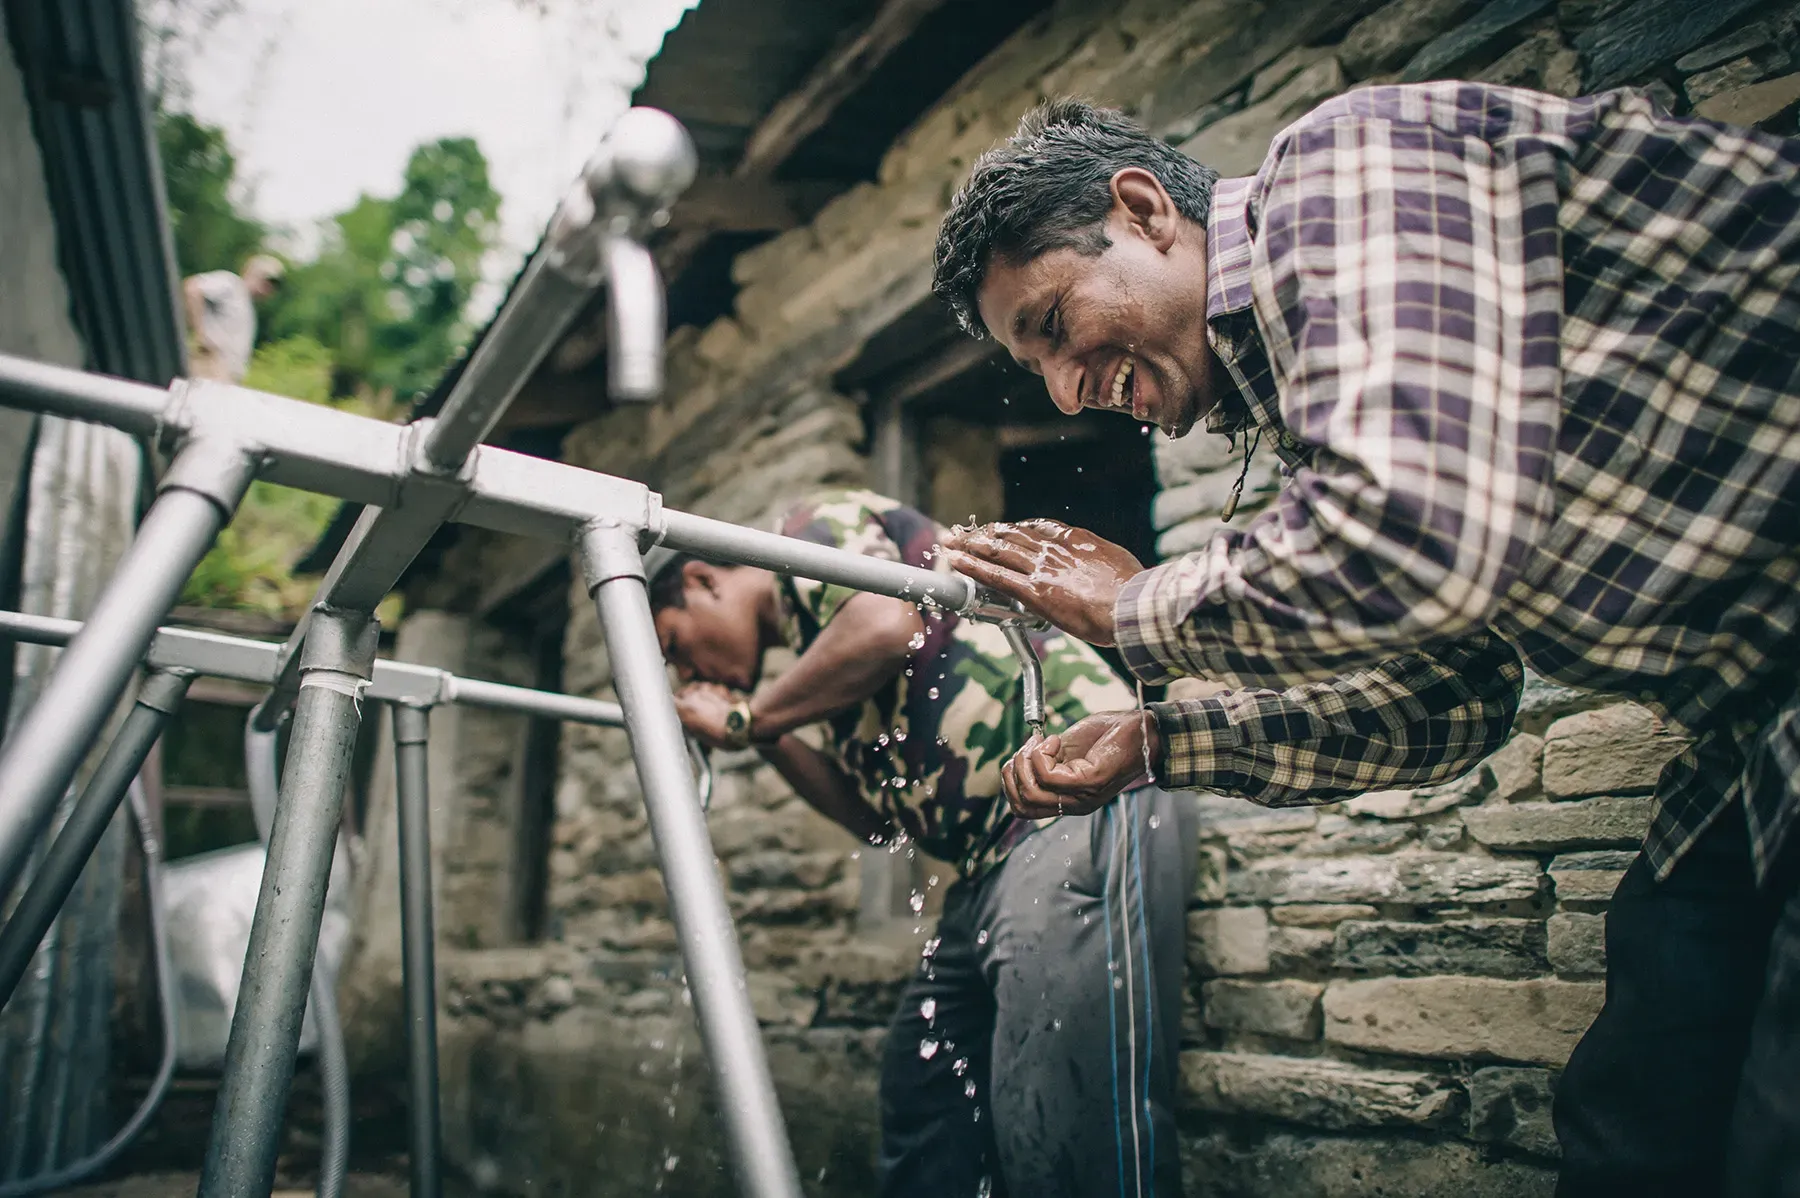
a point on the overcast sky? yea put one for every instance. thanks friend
(324, 99)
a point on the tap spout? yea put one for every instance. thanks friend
(1031, 673)
(635, 321)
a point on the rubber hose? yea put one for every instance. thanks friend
(264, 776)
(108, 1152)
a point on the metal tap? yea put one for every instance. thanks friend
(1017, 624)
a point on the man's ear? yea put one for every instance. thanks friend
(1143, 203)
(699, 575)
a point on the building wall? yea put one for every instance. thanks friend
(1384, 987)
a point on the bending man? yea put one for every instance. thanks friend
(1034, 1052)
(1531, 369)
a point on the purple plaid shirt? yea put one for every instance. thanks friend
(1532, 366)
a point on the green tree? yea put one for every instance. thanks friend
(199, 176)
(388, 291)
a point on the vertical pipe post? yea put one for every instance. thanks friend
(337, 662)
(412, 727)
(755, 1134)
(201, 490)
(157, 700)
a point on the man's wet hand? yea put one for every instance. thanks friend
(703, 707)
(1068, 576)
(1082, 769)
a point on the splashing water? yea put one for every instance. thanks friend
(917, 642)
(969, 1092)
(927, 1049)
(928, 1009)
(931, 947)
(960, 1066)
(916, 901)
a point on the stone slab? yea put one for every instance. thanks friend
(1488, 947)
(1319, 915)
(1273, 1162)
(1754, 104)
(1515, 770)
(1611, 822)
(1615, 750)
(1589, 877)
(1511, 1106)
(1647, 32)
(1318, 1093)
(1456, 1018)
(1473, 35)
(1229, 940)
(1287, 1008)
(1577, 944)
(1419, 878)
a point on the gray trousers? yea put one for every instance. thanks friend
(1035, 1052)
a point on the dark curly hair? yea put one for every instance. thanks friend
(1049, 187)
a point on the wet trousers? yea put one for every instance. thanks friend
(1688, 1082)
(1034, 1053)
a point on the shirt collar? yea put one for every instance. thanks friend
(1228, 249)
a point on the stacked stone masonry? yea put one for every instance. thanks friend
(1383, 987)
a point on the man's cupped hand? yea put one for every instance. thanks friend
(1082, 769)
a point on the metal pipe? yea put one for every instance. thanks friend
(122, 1139)
(47, 746)
(789, 555)
(760, 1154)
(157, 699)
(265, 1028)
(262, 772)
(412, 727)
(100, 399)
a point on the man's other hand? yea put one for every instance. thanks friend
(1083, 769)
(703, 707)
(1068, 576)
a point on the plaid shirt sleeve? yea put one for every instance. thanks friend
(1413, 720)
(1407, 285)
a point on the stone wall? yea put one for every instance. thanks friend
(1382, 988)
(1400, 976)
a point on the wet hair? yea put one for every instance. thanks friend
(1049, 187)
(668, 585)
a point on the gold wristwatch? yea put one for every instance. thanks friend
(737, 725)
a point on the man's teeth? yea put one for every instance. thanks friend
(1118, 384)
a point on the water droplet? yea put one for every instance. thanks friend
(932, 693)
(931, 947)
(916, 902)
(881, 742)
(986, 1188)
(917, 642)
(1118, 983)
(928, 1009)
(931, 881)
(981, 936)
(855, 854)
(909, 671)
(960, 1066)
(669, 1163)
(927, 1049)
(1056, 1025)
(900, 739)
(977, 1110)
(1068, 860)
(1143, 430)
(969, 1092)
(1155, 822)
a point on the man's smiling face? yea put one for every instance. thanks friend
(1120, 330)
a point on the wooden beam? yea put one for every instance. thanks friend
(748, 204)
(836, 77)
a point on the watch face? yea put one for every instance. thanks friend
(734, 721)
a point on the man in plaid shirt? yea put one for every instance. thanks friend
(1532, 368)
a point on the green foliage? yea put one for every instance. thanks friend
(199, 171)
(389, 288)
